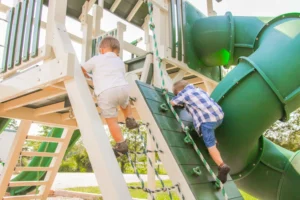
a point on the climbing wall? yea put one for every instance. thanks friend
(201, 185)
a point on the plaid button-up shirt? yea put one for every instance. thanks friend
(199, 105)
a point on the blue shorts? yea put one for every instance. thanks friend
(208, 132)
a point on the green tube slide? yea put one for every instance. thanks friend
(38, 161)
(262, 88)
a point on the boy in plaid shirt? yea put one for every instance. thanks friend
(207, 116)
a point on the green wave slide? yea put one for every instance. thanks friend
(263, 87)
(38, 161)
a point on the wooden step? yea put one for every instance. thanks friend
(39, 154)
(23, 197)
(26, 183)
(33, 169)
(44, 139)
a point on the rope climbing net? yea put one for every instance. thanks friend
(145, 152)
(188, 138)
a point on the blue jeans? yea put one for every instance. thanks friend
(208, 132)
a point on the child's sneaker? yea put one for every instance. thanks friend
(131, 123)
(121, 148)
(223, 172)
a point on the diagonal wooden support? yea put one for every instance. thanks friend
(33, 98)
(15, 150)
(115, 5)
(95, 140)
(134, 10)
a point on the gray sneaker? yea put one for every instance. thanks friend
(121, 148)
(131, 123)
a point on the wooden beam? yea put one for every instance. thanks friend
(26, 183)
(44, 139)
(23, 197)
(53, 120)
(33, 169)
(14, 152)
(89, 5)
(133, 49)
(115, 5)
(66, 116)
(60, 85)
(134, 10)
(32, 98)
(185, 67)
(39, 154)
(51, 109)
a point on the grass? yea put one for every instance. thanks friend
(143, 195)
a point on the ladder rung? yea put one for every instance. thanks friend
(23, 197)
(44, 139)
(33, 169)
(26, 183)
(39, 154)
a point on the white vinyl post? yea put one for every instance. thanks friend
(97, 16)
(95, 139)
(149, 57)
(87, 29)
(160, 20)
(121, 28)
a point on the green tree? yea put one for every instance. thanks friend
(13, 125)
(286, 134)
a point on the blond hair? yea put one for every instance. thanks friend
(110, 42)
(179, 85)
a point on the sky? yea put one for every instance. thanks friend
(109, 21)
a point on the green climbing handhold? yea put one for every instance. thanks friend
(187, 140)
(163, 107)
(197, 171)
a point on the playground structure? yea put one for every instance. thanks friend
(262, 88)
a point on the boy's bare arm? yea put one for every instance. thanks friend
(172, 103)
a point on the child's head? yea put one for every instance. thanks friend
(179, 85)
(109, 44)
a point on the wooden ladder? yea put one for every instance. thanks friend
(51, 170)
